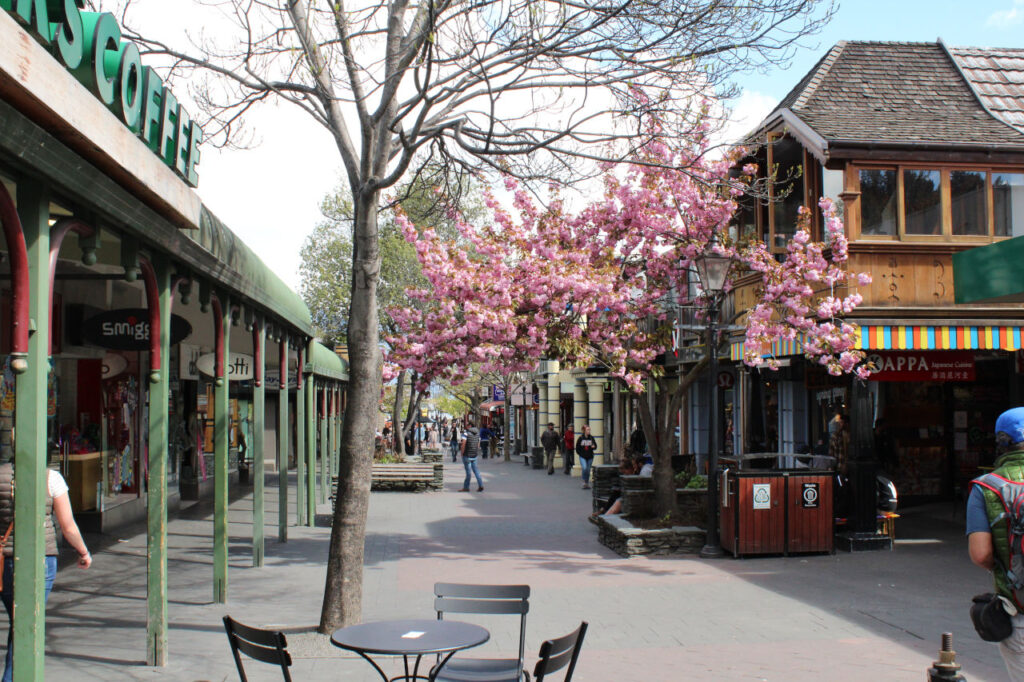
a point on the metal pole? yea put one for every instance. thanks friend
(158, 277)
(310, 453)
(30, 442)
(712, 546)
(221, 421)
(300, 443)
(282, 443)
(259, 425)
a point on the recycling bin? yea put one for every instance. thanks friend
(773, 503)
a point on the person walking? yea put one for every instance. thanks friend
(586, 446)
(550, 440)
(454, 443)
(567, 449)
(485, 440)
(988, 541)
(470, 446)
(57, 503)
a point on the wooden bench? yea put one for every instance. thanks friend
(425, 476)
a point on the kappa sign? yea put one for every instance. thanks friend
(922, 365)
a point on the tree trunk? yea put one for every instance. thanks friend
(508, 425)
(396, 415)
(344, 586)
(658, 432)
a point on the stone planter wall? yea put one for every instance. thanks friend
(638, 500)
(619, 535)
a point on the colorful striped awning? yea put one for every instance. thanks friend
(910, 337)
(899, 337)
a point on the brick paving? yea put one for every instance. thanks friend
(874, 616)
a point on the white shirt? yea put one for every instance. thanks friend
(55, 484)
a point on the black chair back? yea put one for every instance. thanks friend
(555, 654)
(266, 646)
(485, 599)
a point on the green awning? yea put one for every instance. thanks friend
(267, 288)
(990, 274)
(326, 363)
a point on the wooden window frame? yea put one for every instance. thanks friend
(946, 202)
(811, 202)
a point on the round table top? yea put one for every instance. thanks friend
(410, 637)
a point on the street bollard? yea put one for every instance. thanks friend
(946, 669)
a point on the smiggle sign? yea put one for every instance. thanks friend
(89, 45)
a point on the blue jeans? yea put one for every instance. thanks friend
(8, 599)
(455, 452)
(585, 465)
(470, 464)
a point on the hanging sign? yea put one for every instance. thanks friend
(128, 329)
(239, 366)
(113, 365)
(922, 365)
(809, 495)
(762, 496)
(272, 380)
(497, 393)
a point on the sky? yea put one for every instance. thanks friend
(270, 195)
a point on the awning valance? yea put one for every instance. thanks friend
(915, 337)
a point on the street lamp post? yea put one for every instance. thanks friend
(713, 271)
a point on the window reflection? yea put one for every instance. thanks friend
(968, 202)
(878, 202)
(922, 198)
(1008, 203)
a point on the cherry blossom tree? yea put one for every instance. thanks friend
(596, 286)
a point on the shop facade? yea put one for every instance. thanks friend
(118, 282)
(930, 168)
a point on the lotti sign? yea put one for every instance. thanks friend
(128, 329)
(240, 366)
(89, 45)
(922, 365)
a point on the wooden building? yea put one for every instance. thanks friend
(922, 147)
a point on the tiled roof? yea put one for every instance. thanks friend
(889, 92)
(997, 76)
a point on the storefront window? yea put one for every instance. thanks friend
(922, 196)
(969, 202)
(878, 202)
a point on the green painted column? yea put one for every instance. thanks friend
(156, 491)
(282, 443)
(310, 453)
(259, 423)
(324, 445)
(30, 443)
(300, 444)
(335, 409)
(221, 419)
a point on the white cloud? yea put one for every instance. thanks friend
(1005, 18)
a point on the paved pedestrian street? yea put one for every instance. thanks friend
(869, 616)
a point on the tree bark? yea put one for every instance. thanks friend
(344, 587)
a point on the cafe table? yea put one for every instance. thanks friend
(408, 638)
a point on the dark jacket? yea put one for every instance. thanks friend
(586, 446)
(550, 439)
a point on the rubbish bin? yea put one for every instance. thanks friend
(537, 457)
(774, 503)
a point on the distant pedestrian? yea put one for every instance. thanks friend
(568, 441)
(470, 446)
(637, 441)
(485, 439)
(454, 443)
(410, 444)
(586, 446)
(550, 440)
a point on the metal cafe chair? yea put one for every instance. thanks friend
(483, 599)
(266, 646)
(555, 654)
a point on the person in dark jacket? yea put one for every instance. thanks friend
(586, 446)
(550, 440)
